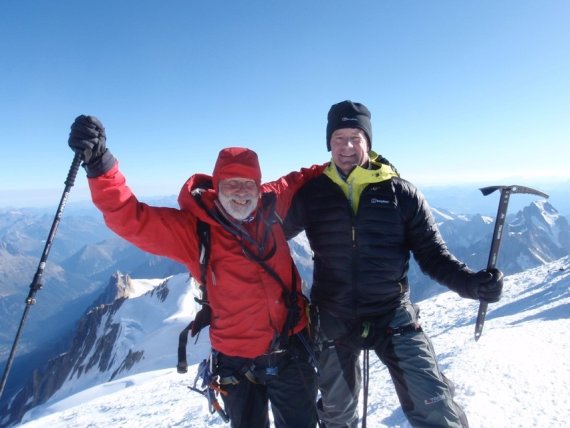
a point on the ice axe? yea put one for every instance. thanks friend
(497, 235)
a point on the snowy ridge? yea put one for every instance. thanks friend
(442, 215)
(136, 334)
(514, 376)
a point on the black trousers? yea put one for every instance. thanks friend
(286, 380)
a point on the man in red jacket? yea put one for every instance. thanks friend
(258, 315)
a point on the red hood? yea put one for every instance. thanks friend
(187, 202)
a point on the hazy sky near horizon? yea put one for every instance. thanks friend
(459, 91)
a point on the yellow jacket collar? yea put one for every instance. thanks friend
(377, 173)
(359, 178)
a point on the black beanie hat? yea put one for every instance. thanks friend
(347, 114)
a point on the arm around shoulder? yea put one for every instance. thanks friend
(287, 186)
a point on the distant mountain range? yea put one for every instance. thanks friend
(89, 271)
(83, 258)
(467, 199)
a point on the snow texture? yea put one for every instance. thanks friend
(516, 375)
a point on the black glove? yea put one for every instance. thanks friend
(87, 138)
(487, 285)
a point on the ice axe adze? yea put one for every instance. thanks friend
(497, 235)
(37, 281)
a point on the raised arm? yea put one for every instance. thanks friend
(158, 230)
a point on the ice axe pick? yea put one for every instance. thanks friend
(497, 235)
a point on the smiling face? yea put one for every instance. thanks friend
(238, 196)
(349, 147)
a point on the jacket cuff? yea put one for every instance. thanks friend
(463, 285)
(468, 291)
(100, 165)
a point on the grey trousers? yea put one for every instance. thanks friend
(425, 394)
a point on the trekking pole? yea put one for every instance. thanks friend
(365, 383)
(497, 236)
(37, 281)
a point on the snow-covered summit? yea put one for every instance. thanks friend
(514, 376)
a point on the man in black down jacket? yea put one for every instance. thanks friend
(363, 221)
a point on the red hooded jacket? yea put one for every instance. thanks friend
(246, 301)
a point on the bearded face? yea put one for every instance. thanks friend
(238, 196)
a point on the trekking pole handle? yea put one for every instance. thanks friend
(73, 169)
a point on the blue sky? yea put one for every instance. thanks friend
(475, 91)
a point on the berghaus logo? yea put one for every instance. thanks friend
(379, 201)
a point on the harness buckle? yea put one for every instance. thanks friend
(365, 329)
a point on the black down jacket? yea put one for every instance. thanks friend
(361, 260)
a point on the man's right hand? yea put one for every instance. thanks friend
(87, 138)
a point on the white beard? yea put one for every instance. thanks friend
(238, 208)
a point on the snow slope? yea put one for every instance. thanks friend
(516, 375)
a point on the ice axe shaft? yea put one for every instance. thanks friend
(497, 236)
(37, 281)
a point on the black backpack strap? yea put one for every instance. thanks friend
(203, 316)
(289, 295)
(268, 201)
(182, 366)
(203, 230)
